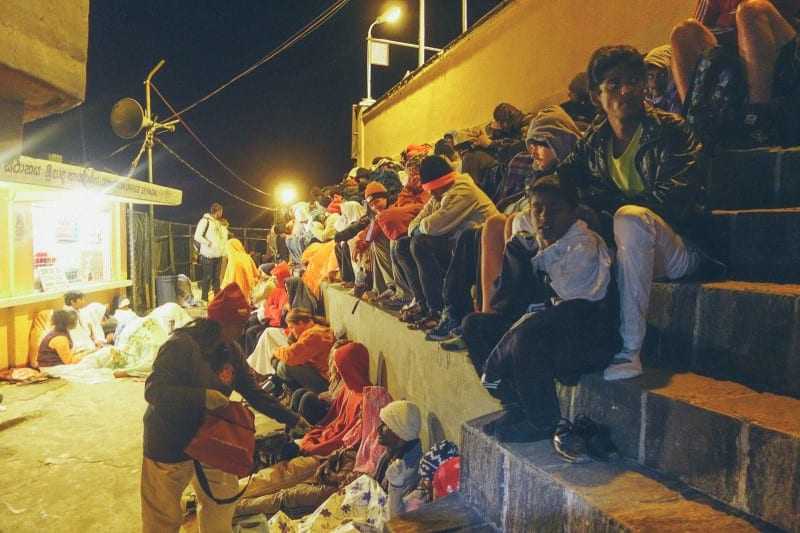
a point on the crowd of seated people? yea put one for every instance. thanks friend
(530, 241)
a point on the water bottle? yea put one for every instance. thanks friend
(360, 286)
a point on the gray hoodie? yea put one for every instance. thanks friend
(553, 126)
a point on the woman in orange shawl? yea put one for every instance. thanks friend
(344, 416)
(241, 268)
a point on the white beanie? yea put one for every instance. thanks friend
(403, 418)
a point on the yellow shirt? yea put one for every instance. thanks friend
(623, 169)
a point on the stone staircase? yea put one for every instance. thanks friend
(710, 434)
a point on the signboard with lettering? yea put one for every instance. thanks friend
(30, 171)
(52, 278)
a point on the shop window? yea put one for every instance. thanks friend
(71, 245)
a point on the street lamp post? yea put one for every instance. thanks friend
(390, 15)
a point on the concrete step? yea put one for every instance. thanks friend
(450, 513)
(744, 332)
(754, 179)
(759, 245)
(730, 442)
(527, 487)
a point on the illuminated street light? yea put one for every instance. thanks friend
(391, 15)
(286, 193)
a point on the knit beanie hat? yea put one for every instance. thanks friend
(229, 305)
(403, 418)
(375, 190)
(435, 172)
(438, 454)
(555, 128)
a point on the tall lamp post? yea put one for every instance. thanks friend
(391, 15)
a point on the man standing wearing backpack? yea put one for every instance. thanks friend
(212, 238)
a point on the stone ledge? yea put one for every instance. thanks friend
(739, 446)
(534, 490)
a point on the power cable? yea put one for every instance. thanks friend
(208, 180)
(205, 147)
(306, 30)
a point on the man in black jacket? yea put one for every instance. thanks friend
(639, 165)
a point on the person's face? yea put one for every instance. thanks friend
(439, 192)
(297, 328)
(388, 438)
(544, 158)
(231, 331)
(80, 303)
(378, 205)
(217, 214)
(551, 216)
(427, 485)
(621, 94)
(657, 79)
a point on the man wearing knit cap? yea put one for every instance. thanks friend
(397, 469)
(456, 204)
(578, 105)
(197, 369)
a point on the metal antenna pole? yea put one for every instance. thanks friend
(148, 142)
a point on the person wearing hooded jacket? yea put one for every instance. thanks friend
(456, 205)
(273, 309)
(212, 237)
(551, 137)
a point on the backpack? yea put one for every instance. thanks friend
(714, 104)
(195, 243)
(491, 179)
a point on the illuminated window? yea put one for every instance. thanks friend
(72, 239)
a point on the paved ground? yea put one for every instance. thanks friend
(71, 457)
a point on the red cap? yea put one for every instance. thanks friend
(229, 305)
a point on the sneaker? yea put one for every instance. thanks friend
(457, 331)
(442, 330)
(456, 344)
(394, 303)
(569, 444)
(413, 314)
(598, 439)
(427, 322)
(625, 365)
(409, 305)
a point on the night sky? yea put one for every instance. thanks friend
(287, 120)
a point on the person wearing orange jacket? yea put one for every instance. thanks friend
(304, 363)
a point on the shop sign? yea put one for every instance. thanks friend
(30, 171)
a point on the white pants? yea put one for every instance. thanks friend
(261, 357)
(647, 249)
(161, 490)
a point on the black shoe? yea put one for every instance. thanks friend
(569, 444)
(509, 416)
(522, 431)
(273, 384)
(599, 445)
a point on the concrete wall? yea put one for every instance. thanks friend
(443, 384)
(43, 51)
(524, 54)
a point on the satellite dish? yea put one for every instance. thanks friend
(127, 118)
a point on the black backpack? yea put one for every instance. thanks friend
(714, 104)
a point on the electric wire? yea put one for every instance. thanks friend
(205, 147)
(299, 35)
(208, 180)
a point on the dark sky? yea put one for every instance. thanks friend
(290, 118)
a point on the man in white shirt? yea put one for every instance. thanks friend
(212, 237)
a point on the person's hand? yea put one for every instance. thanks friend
(482, 140)
(215, 399)
(396, 473)
(301, 428)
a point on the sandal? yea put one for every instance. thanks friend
(425, 323)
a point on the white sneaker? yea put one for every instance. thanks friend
(409, 305)
(625, 365)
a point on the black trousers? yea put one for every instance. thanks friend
(211, 267)
(424, 260)
(482, 332)
(342, 252)
(463, 273)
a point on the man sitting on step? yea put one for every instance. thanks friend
(638, 164)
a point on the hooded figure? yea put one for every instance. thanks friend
(241, 269)
(278, 298)
(344, 416)
(554, 127)
(660, 89)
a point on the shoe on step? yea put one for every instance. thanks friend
(624, 365)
